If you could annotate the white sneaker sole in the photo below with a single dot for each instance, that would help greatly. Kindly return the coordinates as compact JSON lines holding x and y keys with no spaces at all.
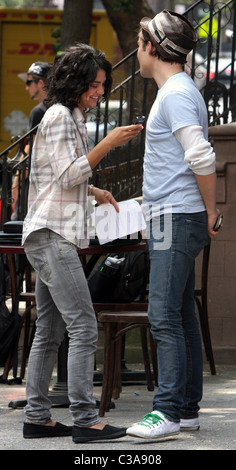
{"x":189,"y":428}
{"x":189,"y":424}
{"x":152,"y":436}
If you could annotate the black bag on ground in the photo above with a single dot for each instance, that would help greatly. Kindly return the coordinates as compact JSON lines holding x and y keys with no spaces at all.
{"x":120,"y":278}
{"x":9,"y":329}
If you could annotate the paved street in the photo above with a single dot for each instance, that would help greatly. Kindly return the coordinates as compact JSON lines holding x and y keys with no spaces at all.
{"x":217,"y":418}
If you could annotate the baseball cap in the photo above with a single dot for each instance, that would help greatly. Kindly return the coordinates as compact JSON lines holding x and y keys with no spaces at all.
{"x":37,"y":68}
{"x":172,"y":34}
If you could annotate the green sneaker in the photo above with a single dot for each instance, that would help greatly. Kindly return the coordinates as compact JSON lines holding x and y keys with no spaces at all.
{"x":153,"y":426}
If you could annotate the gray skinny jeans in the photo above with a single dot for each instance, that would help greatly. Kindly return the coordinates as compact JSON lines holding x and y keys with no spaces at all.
{"x":63,"y":302}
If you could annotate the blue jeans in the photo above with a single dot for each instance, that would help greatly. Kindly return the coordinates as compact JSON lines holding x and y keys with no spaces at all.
{"x":63,"y":302}
{"x":172,"y":312}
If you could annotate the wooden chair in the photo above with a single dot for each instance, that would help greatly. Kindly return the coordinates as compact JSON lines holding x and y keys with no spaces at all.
{"x":117,"y":323}
{"x":147,"y":341}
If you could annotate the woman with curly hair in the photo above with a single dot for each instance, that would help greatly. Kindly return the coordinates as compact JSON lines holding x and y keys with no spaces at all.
{"x":54,"y":229}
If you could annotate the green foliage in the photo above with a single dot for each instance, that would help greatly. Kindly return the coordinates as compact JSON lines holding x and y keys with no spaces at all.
{"x":56,"y":33}
{"x":21,"y":3}
{"x":10,"y":3}
{"x":123,"y":5}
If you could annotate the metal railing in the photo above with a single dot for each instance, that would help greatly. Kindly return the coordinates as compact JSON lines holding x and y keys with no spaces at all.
{"x":213,"y":62}
{"x":212,"y":67}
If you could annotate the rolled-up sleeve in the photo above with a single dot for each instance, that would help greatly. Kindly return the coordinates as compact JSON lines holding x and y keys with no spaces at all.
{"x":199,"y":153}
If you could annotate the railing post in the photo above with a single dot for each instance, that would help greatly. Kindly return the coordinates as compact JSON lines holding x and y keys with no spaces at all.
{"x":5,"y":191}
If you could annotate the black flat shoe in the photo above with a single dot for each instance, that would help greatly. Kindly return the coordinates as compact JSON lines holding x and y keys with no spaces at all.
{"x":35,"y":431}
{"x":92,"y":434}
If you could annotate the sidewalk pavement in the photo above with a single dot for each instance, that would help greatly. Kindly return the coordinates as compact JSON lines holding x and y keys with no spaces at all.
{"x":217,"y":420}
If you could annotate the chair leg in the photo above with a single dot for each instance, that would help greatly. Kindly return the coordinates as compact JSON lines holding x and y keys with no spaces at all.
{"x":7,"y":367}
{"x":203,"y":317}
{"x":116,"y":386}
{"x":146,"y":361}
{"x":108,"y":370}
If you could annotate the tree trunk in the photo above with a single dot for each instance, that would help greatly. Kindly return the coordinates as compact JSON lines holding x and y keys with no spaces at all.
{"x":126,"y":24}
{"x":76,"y":22}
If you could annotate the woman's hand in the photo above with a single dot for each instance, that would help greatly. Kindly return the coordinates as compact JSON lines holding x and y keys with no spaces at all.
{"x":117,"y":137}
{"x":104,"y":197}
{"x":122,"y":135}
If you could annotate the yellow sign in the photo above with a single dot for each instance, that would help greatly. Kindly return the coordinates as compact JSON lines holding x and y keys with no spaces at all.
{"x":204,"y":29}
{"x":26,"y":37}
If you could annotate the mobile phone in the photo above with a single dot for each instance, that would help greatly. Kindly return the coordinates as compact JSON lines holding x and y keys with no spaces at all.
{"x":218,"y":223}
{"x":140,"y":120}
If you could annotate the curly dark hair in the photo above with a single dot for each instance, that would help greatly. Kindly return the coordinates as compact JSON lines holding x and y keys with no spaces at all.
{"x":72,"y":73}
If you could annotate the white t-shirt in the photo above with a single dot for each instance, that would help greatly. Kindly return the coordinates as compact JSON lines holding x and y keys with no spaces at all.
{"x":168,"y":180}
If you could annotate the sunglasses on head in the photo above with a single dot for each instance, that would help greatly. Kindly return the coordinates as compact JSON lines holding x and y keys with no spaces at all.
{"x":28,"y":82}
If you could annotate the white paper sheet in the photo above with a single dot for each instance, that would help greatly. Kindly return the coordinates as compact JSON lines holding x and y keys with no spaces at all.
{"x":111,"y":225}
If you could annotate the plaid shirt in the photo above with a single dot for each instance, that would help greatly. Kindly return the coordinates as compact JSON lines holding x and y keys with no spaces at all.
{"x":59,"y":177}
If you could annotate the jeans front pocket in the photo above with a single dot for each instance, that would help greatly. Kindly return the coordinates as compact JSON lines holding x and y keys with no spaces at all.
{"x":196,"y":235}
{"x":40,"y":264}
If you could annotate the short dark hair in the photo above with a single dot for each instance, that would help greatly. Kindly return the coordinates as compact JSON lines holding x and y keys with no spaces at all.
{"x":145,"y":39}
{"x":72,"y":73}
